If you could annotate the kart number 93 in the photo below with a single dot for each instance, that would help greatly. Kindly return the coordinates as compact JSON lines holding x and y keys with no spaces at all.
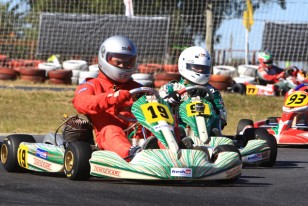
{"x":296,"y":99}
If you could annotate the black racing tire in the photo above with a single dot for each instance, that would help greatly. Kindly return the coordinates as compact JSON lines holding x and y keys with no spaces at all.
{"x":242,"y":124}
{"x":76,"y":161}
{"x":224,"y":148}
{"x":150,"y":143}
{"x":238,"y":88}
{"x":263,"y":134}
{"x":9,"y":149}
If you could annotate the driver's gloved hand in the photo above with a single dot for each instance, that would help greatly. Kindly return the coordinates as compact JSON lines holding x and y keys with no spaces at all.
{"x":119,"y":97}
{"x":174,"y":98}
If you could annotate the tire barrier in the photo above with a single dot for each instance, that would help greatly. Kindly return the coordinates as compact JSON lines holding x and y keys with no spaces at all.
{"x":7,"y":74}
{"x":243,"y":79}
{"x":86,"y":74}
{"x":171,"y":68}
{"x":220,"y":82}
{"x":60,"y":76}
{"x":75,"y":65}
{"x":229,"y":71}
{"x":150,"y":68}
{"x":146,"y":80}
{"x":48,"y":66}
{"x":247,"y":70}
{"x":163,"y":78}
{"x":31,"y":74}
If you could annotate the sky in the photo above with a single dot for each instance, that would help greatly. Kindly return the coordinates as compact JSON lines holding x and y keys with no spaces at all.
{"x":296,"y":12}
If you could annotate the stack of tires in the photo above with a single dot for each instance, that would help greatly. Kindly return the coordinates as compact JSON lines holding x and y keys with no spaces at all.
{"x":91,"y":72}
{"x":146,"y":80}
{"x":222,"y":76}
{"x":163,"y":78}
{"x":29,"y":70}
{"x":150,"y":68}
{"x":246,"y":73}
{"x":7,"y":73}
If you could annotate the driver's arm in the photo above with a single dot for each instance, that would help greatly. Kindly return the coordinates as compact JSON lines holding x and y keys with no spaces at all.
{"x":87,"y":102}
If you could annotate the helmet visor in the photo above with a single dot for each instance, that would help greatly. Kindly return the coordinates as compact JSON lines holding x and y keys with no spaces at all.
{"x":268,"y":62}
{"x":122,"y":61}
{"x":203,"y":69}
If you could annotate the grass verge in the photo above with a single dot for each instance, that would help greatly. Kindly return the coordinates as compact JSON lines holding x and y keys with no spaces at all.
{"x":41,"y":111}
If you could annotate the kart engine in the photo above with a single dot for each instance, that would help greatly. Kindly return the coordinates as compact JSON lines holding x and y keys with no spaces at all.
{"x":77,"y":129}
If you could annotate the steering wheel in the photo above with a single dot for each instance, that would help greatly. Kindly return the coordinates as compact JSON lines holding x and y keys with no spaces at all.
{"x":135,"y":92}
{"x":290,"y":70}
{"x":207,"y":93}
{"x":302,"y":87}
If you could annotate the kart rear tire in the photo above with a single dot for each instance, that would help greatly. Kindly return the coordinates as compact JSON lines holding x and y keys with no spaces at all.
{"x":76,"y":161}
{"x":238,"y":88}
{"x":242,"y":124}
{"x":150,"y":143}
{"x":9,"y":149}
{"x":224,"y":148}
{"x":263,"y":134}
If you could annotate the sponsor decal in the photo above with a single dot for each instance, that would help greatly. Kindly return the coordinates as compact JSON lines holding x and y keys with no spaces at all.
{"x":266,"y":155}
{"x":160,"y":127}
{"x":41,"y":153}
{"x":107,"y":171}
{"x":254,"y":157}
{"x":42,"y":164}
{"x":181,"y":172}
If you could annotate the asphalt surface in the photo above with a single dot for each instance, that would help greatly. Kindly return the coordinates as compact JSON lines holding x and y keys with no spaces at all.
{"x":284,"y":184}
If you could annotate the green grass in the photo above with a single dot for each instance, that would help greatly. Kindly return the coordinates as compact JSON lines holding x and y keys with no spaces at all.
{"x":42,"y":112}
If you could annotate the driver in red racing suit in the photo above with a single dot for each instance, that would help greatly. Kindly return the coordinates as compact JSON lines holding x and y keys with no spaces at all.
{"x":99,"y":98}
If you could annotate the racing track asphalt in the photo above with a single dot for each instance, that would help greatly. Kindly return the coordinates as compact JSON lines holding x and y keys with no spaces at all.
{"x":284,"y":184}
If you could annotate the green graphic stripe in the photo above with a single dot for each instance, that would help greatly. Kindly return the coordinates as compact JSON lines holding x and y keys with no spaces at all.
{"x":55,"y":154}
{"x":254,"y":146}
{"x":158,"y":163}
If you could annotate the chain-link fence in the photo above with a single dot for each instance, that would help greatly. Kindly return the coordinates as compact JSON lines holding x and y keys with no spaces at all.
{"x":161,"y":29}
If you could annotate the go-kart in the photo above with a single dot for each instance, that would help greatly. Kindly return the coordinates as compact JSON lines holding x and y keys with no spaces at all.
{"x":256,"y":146}
{"x":79,"y":159}
{"x":292,"y":127}
{"x":293,"y":77}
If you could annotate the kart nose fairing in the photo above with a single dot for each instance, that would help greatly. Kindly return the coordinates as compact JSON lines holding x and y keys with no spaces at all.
{"x":163,"y":164}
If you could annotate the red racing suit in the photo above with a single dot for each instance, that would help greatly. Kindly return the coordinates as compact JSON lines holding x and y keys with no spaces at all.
{"x":93,"y":98}
{"x":270,"y":75}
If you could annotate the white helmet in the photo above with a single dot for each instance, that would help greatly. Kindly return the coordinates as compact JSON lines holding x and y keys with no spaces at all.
{"x":117,"y":57}
{"x":195,"y":65}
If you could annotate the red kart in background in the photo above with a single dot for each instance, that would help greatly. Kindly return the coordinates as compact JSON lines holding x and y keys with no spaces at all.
{"x":292,"y":127}
{"x":250,"y":86}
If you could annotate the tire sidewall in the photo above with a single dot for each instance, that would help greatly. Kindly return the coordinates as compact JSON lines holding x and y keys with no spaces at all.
{"x":81,"y":166}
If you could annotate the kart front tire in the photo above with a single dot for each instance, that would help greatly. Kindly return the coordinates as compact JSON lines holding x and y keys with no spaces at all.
{"x":9,"y":149}
{"x":263,"y":134}
{"x":242,"y":124}
{"x":76,"y":161}
{"x":224,"y":148}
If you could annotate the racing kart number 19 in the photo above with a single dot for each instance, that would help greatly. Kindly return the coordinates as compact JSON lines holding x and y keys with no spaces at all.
{"x":297,"y":99}
{"x":154,"y":112}
{"x":22,"y":157}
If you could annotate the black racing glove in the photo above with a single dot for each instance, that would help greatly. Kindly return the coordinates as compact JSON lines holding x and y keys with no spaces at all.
{"x":174,"y":98}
